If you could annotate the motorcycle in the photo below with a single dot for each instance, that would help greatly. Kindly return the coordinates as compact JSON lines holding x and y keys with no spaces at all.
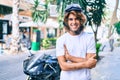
{"x":41,"y":67}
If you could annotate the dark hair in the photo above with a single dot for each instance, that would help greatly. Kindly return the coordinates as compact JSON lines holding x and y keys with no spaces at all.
{"x":79,"y":15}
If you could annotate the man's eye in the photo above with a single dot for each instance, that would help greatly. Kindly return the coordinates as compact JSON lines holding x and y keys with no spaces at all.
{"x":77,"y":18}
{"x":70,"y":19}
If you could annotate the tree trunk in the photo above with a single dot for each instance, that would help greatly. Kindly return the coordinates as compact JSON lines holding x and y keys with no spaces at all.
{"x":114,"y":18}
{"x":15,"y":27}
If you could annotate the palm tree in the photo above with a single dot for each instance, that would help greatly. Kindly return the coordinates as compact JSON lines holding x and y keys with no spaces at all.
{"x":15,"y":26}
{"x":114,"y":18}
{"x":40,"y":11}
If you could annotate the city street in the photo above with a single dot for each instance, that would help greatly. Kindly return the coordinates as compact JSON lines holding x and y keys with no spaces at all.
{"x":48,"y":26}
{"x":107,"y":68}
{"x":11,"y":67}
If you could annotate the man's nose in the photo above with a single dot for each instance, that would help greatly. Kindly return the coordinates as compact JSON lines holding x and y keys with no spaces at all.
{"x":74,"y":20}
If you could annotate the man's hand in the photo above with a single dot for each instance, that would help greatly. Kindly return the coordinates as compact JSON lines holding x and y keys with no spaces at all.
{"x":67,"y":55}
{"x":91,"y":62}
{"x":72,"y":58}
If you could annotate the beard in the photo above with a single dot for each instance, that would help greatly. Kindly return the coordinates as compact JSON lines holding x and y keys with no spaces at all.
{"x":78,"y":31}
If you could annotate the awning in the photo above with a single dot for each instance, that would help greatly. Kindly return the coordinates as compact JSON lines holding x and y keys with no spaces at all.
{"x":50,"y":23}
{"x":31,"y":24}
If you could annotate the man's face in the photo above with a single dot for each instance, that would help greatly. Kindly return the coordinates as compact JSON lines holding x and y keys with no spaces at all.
{"x":73,"y":22}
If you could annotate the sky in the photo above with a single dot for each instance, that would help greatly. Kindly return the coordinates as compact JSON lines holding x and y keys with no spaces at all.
{"x":111,"y":4}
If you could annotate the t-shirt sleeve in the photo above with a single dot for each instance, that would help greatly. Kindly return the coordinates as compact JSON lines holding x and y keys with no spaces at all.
{"x":91,"y":47}
{"x":59,"y":47}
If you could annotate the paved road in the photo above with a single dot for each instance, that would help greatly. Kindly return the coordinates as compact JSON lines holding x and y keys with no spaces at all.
{"x":11,"y":67}
{"x":108,"y":68}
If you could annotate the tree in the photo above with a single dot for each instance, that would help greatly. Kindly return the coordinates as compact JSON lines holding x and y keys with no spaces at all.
{"x":95,"y":13}
{"x":117,"y":26}
{"x":40,"y":11}
{"x":92,"y":8}
{"x":15,"y":26}
{"x":114,"y":18}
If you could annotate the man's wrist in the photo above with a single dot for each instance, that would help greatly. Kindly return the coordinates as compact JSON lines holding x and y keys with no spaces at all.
{"x":86,"y":64}
{"x":72,"y":58}
{"x":69,"y":57}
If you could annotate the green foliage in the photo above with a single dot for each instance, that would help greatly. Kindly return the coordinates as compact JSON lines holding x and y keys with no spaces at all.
{"x":48,"y":42}
{"x":95,"y":12}
{"x":117,"y":26}
{"x":98,"y":45}
{"x":118,"y":39}
{"x":40,"y":14}
{"x":53,"y":41}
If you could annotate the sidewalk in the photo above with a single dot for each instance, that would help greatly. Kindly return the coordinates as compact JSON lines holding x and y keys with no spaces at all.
{"x":108,"y":68}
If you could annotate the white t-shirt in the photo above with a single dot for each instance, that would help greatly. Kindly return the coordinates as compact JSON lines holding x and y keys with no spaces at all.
{"x":77,"y":46}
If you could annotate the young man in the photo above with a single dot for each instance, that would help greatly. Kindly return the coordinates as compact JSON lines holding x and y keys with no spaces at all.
{"x":75,"y":50}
